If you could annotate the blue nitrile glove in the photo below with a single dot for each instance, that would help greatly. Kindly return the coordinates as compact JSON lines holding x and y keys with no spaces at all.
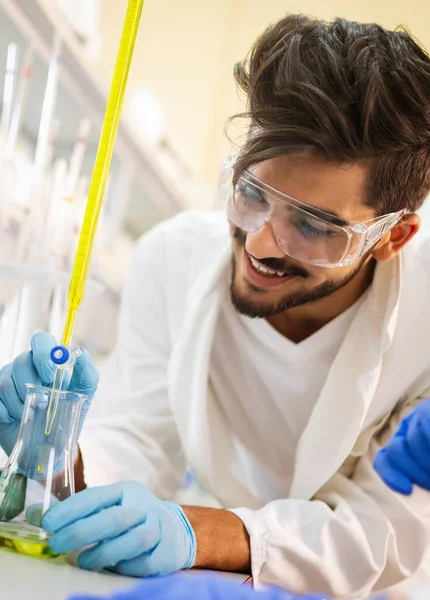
{"x":197,"y":587}
{"x":136,"y":533}
{"x":405,"y":460}
{"x":36,"y":367}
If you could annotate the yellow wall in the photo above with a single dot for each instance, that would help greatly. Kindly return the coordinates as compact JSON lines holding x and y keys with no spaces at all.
{"x":187,"y":49}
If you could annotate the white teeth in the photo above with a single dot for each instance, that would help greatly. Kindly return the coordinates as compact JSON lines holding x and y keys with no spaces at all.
{"x":262,"y":269}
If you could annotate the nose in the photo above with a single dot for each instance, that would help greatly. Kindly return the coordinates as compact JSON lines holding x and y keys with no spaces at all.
{"x":262,"y":243}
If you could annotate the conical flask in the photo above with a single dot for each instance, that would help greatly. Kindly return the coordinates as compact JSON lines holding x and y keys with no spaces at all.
{"x":39,"y":470}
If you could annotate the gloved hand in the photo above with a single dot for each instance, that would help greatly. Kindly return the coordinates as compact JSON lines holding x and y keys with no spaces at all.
{"x":136,"y":533}
{"x":36,"y":367}
{"x":405,"y":460}
{"x":198,"y":586}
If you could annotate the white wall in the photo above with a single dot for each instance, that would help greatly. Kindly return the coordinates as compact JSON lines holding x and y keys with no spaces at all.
{"x":186,"y":51}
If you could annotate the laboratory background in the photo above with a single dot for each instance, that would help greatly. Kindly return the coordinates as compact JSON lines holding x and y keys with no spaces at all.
{"x":56,"y":64}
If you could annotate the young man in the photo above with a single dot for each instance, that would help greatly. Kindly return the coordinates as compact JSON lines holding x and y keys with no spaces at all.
{"x":274,"y":353}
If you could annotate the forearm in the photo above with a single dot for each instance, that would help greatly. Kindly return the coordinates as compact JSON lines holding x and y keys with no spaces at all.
{"x":222,"y":540}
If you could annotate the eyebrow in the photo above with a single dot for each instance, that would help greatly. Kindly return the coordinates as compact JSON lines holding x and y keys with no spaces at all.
{"x":336,"y":218}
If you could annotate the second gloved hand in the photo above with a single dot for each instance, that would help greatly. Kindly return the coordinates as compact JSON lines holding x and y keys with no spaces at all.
{"x":199,"y":587}
{"x":405,"y":460}
{"x":135,"y":533}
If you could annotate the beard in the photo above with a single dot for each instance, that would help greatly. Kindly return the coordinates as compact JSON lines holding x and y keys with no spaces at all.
{"x":259,"y":309}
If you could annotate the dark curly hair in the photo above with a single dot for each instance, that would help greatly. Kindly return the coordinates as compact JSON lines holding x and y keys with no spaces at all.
{"x":348,"y":92}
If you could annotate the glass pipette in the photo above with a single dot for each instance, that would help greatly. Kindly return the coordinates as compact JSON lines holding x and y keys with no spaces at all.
{"x":97,"y":186}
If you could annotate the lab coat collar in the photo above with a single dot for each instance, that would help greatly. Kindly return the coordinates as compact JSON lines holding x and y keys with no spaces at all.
{"x":205,"y":435}
{"x":341,"y":408}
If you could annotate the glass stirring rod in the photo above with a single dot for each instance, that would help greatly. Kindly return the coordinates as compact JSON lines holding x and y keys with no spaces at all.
{"x":65,"y":360}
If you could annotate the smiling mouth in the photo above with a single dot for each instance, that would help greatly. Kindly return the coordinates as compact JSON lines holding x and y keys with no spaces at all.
{"x":261,"y":276}
{"x":258,"y":266}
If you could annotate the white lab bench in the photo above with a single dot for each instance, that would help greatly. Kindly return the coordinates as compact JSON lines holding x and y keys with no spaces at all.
{"x":29,"y":578}
{"x":26,"y":578}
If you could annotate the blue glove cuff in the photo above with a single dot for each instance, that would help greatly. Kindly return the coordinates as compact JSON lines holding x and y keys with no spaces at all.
{"x":189,"y":532}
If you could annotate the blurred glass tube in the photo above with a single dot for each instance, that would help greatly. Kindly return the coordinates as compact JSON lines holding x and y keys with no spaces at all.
{"x":20,"y":104}
{"x":77,"y":158}
{"x":52,"y":142}
{"x":48,"y":110}
{"x":9,"y":84}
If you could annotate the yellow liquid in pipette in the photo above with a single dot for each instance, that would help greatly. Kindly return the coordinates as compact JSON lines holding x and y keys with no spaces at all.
{"x":102,"y":165}
{"x":98,"y":185}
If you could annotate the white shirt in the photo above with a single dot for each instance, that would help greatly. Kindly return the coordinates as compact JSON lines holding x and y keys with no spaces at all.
{"x":340,"y":529}
{"x":259,"y":378}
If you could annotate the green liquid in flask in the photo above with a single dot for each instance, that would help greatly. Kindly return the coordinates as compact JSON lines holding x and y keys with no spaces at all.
{"x":39,"y":471}
{"x":31,"y":541}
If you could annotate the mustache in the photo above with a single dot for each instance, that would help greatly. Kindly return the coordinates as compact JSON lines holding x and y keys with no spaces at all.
{"x":277,"y":264}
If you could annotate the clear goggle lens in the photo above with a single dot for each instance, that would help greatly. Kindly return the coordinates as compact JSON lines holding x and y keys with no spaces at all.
{"x":303,"y":232}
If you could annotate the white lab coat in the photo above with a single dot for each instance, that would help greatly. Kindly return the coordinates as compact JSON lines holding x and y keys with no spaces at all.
{"x":340,"y":530}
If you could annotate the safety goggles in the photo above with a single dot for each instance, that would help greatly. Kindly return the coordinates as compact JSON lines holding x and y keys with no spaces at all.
{"x":303,"y":232}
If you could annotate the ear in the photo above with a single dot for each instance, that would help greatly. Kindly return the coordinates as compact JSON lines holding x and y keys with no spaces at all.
{"x":396,"y":239}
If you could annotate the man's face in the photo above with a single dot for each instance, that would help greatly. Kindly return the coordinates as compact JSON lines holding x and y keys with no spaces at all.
{"x":323,"y":185}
